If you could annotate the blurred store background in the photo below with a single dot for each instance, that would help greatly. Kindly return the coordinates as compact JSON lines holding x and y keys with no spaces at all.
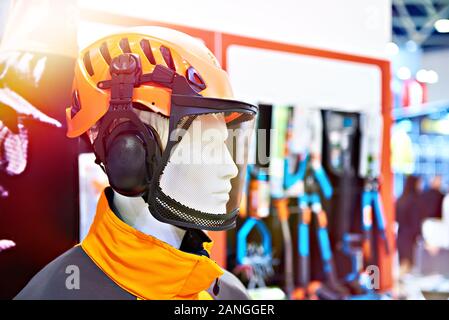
{"x":360,"y":86}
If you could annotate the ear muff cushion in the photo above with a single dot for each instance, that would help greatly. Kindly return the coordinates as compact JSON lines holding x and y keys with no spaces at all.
{"x":126,"y":165}
{"x":131,"y":157}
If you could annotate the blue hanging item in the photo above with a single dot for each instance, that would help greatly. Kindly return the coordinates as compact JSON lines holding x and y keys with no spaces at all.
{"x":323,"y":181}
{"x":257,"y":257}
{"x":314,"y":181}
{"x":242,"y":235}
{"x":252,"y":222}
{"x":352,"y":248}
{"x":292,"y":178}
{"x":320,"y":175}
{"x":371,"y":203}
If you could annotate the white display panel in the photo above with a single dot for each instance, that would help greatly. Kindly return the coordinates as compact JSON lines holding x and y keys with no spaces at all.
{"x":270,"y":76}
{"x":354,"y":26}
{"x":92,"y":181}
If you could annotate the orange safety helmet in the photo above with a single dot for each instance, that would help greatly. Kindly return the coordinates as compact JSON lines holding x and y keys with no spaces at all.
{"x":178,"y":51}
{"x":172,"y":74}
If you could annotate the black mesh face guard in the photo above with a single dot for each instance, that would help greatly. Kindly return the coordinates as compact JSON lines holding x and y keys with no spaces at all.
{"x":186,"y":105}
{"x":239,"y":118}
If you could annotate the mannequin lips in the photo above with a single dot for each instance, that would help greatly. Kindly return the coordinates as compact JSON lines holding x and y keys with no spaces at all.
{"x":223,"y":194}
{"x":226,"y":188}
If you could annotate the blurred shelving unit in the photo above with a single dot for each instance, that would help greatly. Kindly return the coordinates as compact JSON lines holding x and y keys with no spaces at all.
{"x":427,"y":130}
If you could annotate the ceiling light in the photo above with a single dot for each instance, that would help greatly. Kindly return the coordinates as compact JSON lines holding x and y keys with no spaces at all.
{"x":432,"y":76}
{"x":442,"y":25}
{"x":404,"y":73}
{"x":421,"y":75}
{"x":427,"y":76}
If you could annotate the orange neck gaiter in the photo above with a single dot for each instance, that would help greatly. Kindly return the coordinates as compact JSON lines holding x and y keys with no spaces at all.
{"x":143,"y":265}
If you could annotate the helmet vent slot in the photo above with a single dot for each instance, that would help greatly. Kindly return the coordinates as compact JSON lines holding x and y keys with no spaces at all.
{"x":76,"y":106}
{"x":88,"y":64}
{"x":146,"y":48}
{"x":166,"y":54}
{"x":104,"y":50}
{"x":124,"y":45}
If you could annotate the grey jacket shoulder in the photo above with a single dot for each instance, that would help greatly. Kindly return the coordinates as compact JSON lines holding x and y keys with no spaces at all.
{"x":72,"y":276}
{"x":231,"y":288}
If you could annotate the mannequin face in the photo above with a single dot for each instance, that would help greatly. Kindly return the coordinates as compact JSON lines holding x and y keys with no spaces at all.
{"x":200,"y":169}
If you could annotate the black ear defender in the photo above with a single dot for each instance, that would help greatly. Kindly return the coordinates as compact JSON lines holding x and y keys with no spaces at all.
{"x":127,"y":149}
{"x":131,"y":158}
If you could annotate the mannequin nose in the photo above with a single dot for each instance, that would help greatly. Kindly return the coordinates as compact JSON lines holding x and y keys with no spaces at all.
{"x":229,"y":169}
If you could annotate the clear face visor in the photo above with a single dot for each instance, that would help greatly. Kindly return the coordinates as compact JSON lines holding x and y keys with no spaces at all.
{"x":203,"y":168}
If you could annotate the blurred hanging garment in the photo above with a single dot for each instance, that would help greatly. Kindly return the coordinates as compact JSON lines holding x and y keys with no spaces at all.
{"x":13,"y":133}
{"x":408,"y":208}
{"x":13,"y":150}
{"x":433,"y":200}
{"x":38,"y":171}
